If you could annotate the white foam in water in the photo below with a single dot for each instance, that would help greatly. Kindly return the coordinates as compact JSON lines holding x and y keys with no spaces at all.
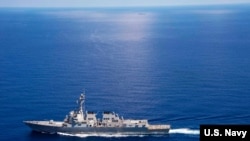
{"x":184,"y":131}
{"x":99,"y":135}
{"x":172,"y":131}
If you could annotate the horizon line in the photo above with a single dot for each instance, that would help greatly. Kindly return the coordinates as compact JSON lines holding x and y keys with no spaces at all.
{"x":134,"y":6}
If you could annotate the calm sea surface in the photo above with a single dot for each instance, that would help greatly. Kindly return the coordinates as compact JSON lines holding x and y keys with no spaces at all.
{"x":183,"y":66}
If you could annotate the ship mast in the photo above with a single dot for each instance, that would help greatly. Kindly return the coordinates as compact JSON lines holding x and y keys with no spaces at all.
{"x":81,"y":103}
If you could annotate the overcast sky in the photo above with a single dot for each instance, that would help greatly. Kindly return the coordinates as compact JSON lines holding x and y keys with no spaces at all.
{"x":112,"y":3}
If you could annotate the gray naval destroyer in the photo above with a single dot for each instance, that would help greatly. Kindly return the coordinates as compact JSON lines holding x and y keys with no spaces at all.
{"x":86,"y":122}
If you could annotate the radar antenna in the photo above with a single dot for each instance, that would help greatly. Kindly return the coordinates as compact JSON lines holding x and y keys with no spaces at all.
{"x":81,"y":103}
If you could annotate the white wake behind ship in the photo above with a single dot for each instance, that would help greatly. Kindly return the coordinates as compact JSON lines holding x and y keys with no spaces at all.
{"x":85,"y":122}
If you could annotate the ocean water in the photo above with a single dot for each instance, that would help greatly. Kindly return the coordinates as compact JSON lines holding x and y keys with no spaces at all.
{"x":183,"y":66}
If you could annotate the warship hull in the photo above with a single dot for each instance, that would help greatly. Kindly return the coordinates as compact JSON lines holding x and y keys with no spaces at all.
{"x":80,"y":121}
{"x":56,"y":127}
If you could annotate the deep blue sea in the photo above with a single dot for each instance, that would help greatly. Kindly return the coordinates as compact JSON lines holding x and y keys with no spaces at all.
{"x":183,"y":66}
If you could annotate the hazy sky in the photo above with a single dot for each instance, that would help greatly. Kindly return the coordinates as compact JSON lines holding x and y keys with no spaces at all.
{"x":98,"y":3}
